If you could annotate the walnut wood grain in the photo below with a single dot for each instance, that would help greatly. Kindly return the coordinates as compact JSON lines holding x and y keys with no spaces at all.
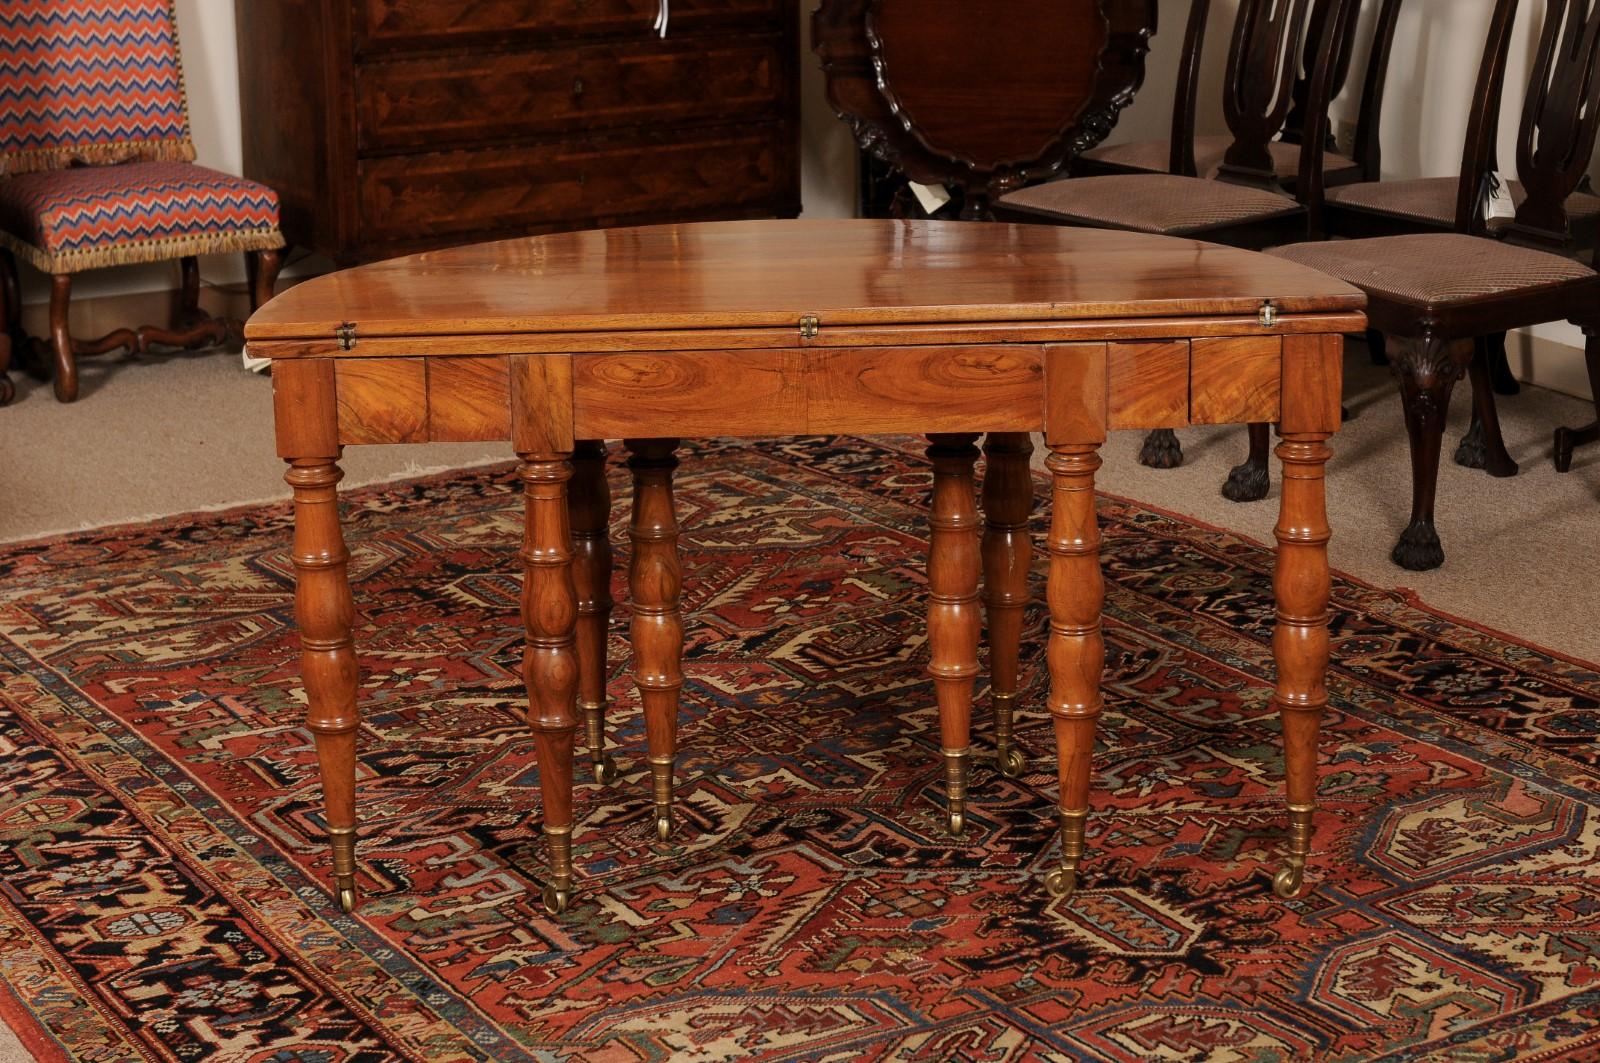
{"x":954,"y":619}
{"x":383,"y":400}
{"x":1149,"y":384}
{"x":923,"y":389}
{"x":743,"y":275}
{"x":690,"y":393}
{"x":1075,"y":401}
{"x":541,"y":403}
{"x":655,"y":584}
{"x":1007,"y":556}
{"x":304,"y":414}
{"x":589,"y":509}
{"x":1234,"y":380}
{"x":469,"y":399}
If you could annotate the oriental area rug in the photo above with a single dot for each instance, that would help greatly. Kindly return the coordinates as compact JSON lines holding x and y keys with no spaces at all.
{"x":164,"y":880}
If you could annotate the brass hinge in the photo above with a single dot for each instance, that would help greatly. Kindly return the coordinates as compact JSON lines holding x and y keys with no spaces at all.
{"x":1268,"y":315}
{"x":346,"y":334}
{"x":809,"y":327}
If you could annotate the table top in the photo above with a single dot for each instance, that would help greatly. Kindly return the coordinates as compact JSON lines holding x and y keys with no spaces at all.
{"x":771,"y":273}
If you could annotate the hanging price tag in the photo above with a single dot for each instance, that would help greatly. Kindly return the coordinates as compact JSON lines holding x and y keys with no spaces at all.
{"x":932,"y":197}
{"x":1499,"y":204}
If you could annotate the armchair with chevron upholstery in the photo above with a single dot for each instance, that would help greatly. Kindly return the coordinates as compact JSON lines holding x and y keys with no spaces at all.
{"x":96,"y":170}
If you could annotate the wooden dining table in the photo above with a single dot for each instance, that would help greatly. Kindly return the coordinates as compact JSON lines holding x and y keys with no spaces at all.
{"x":555,"y":344}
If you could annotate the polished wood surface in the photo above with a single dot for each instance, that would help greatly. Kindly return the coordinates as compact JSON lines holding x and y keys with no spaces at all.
{"x":982,"y":96}
{"x":389,"y":126}
{"x":769,"y":274}
{"x":1053,"y":365}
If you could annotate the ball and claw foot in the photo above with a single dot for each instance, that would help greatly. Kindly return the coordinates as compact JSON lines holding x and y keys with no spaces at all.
{"x":1011,"y":762}
{"x":557,"y":898}
{"x":1418,"y":549}
{"x":1061,"y":883}
{"x":1248,"y":482}
{"x":1289,"y":881}
{"x":605,"y":769}
{"x":1471,"y":452}
{"x":1161,"y":450}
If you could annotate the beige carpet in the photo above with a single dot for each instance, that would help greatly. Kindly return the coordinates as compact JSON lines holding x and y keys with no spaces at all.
{"x":172,"y":434}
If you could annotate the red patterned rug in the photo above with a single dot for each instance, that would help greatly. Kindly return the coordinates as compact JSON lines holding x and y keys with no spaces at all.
{"x":163,"y":880}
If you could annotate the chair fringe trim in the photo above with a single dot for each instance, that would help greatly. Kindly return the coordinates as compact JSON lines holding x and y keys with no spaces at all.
{"x":109,"y":154}
{"x":270,"y":239}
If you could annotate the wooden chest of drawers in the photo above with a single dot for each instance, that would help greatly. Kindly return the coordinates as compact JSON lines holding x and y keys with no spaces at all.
{"x":390,"y":126}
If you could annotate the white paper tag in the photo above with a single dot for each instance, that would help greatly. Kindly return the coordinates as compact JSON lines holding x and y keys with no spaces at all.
{"x":255,"y":365}
{"x":932,"y":197}
{"x":1500,"y":204}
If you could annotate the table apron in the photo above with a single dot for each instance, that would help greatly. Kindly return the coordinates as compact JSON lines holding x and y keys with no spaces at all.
{"x":1075,"y":391}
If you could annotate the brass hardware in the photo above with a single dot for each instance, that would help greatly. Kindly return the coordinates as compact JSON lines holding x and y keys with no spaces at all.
{"x":346,"y":335}
{"x":343,"y":842}
{"x":1011,"y":761}
{"x":605,"y":767}
{"x":1289,"y":881}
{"x":810,"y":325}
{"x":1269,"y":314}
{"x":1063,"y":881}
{"x":558,"y":893}
{"x":661,"y":780}
{"x":955,"y":784}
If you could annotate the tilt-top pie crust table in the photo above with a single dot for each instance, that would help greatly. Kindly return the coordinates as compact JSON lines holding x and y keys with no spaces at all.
{"x":761,"y":329}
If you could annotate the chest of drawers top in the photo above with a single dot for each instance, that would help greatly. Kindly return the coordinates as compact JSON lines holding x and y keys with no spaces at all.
{"x":380,"y":26}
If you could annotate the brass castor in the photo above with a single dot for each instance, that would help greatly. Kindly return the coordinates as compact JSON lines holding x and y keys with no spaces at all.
{"x":605,"y":769}
{"x":958,"y":822}
{"x":955,"y":785}
{"x":346,"y":893}
{"x":664,"y":822}
{"x":1061,"y":883}
{"x":557,"y":898}
{"x":1011,"y":762}
{"x":1289,"y":881}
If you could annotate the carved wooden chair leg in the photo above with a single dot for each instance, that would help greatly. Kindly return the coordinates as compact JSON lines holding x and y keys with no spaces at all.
{"x":1077,"y":647}
{"x":1569,"y":438}
{"x":1007,"y":553}
{"x":66,"y":357}
{"x":1161,"y":450}
{"x":1427,"y":370}
{"x":1377,"y":349}
{"x":1483,"y":446}
{"x":1250,"y":481}
{"x":655,"y":578}
{"x":589,"y":503}
{"x":549,"y":658}
{"x":261,"y":273}
{"x":1499,"y":365}
{"x":954,"y":566}
{"x":191,"y":328}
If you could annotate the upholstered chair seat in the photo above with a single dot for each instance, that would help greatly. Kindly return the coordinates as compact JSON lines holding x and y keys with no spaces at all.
{"x":1433,"y":199}
{"x":64,"y":221}
{"x":1439,"y":269}
{"x":1154,"y":156}
{"x":1151,"y":203}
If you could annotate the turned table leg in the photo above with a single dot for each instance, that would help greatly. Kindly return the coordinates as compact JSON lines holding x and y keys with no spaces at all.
{"x":1077,"y":649}
{"x":1302,"y":585}
{"x":325,"y":613}
{"x":549,"y":658}
{"x":655,"y":579}
{"x":953,"y":622}
{"x":589,"y":505}
{"x":1007,"y":554}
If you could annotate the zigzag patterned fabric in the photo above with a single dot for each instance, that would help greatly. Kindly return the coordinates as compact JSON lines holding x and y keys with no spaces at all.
{"x":90,"y":81}
{"x":64,"y":221}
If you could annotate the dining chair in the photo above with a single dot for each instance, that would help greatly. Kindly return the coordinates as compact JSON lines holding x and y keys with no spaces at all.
{"x":1184,"y":153}
{"x":1435,"y":293}
{"x":98,"y":170}
{"x":1246,"y":205}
